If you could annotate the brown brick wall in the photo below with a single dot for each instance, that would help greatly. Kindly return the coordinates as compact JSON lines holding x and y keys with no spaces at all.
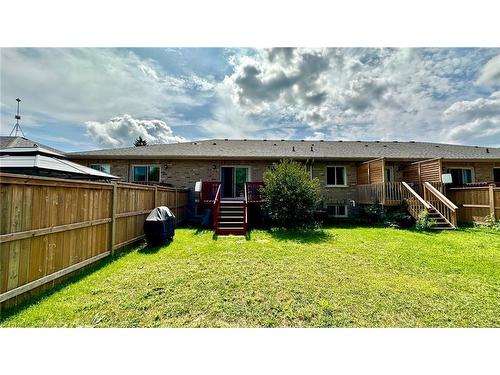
{"x":182,"y":173}
{"x":334,"y":194}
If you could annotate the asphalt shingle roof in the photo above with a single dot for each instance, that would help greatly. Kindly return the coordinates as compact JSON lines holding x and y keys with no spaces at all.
{"x":8,"y":142}
{"x":276,"y":149}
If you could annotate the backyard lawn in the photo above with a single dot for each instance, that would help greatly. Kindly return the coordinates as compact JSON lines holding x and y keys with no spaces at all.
{"x":338,"y":277}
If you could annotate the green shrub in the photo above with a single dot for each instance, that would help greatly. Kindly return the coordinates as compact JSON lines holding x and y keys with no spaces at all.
{"x":424,"y":222}
{"x":399,"y":217}
{"x":290,"y":197}
{"x":394,"y":217}
{"x":490,"y":222}
{"x":373,"y":214}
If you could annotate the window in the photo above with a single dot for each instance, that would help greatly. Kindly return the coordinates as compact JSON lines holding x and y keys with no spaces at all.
{"x":106,"y":168}
{"x":389,"y":174}
{"x":336,"y":176}
{"x":145,"y":173}
{"x":337,"y":210}
{"x":460,"y":176}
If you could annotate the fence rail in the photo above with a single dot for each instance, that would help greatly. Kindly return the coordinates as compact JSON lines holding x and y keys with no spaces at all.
{"x":475,"y":203}
{"x":51,"y":227}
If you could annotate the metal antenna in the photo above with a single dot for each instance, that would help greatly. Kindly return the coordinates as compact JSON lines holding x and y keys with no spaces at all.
{"x":17,"y":128}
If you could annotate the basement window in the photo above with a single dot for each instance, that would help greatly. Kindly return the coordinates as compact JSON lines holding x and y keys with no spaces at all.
{"x":106,"y":168}
{"x":146,"y":173}
{"x":336,"y":176}
{"x":337,"y":210}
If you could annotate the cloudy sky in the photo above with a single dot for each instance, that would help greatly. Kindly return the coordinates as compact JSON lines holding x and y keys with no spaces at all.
{"x":78,"y":99}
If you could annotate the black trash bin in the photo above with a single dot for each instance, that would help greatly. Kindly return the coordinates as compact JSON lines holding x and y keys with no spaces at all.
{"x":159,"y":226}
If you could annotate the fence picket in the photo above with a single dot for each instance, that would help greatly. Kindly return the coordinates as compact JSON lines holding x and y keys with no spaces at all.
{"x":51,"y":227}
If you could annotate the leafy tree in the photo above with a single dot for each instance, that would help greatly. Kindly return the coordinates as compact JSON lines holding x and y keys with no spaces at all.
{"x":140,"y":142}
{"x":290,"y":197}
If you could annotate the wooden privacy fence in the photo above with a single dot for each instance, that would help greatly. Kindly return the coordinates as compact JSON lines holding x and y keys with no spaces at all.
{"x":51,"y":227}
{"x":475,"y":203}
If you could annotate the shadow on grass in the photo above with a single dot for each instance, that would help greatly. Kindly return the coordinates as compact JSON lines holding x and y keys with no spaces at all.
{"x":77,"y":276}
{"x":248,"y":236}
{"x":200,"y":230}
{"x":146,"y":249}
{"x":67,"y":280}
{"x":301,"y":235}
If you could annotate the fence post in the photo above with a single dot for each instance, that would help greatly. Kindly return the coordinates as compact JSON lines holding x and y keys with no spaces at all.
{"x":491,"y":194}
{"x":156,"y":196}
{"x":113,"y":218}
{"x":176,"y":204}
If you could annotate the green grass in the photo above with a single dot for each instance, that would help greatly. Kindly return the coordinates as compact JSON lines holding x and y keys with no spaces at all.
{"x":336,"y":277}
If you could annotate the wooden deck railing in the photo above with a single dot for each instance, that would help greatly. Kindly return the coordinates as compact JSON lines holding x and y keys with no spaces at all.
{"x":216,"y":208}
{"x":369,"y":193}
{"x":388,"y":193}
{"x":245,"y":206}
{"x":416,"y":203}
{"x":475,"y":203}
{"x":253,"y":189}
{"x":442,"y":204}
{"x":209,"y":191}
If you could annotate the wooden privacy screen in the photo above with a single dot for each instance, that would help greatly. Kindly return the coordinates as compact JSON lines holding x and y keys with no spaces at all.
{"x":423,"y":171}
{"x":371,"y":172}
{"x":475,"y":203}
{"x":51,"y":227}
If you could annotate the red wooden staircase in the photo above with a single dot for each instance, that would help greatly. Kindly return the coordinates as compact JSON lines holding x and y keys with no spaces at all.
{"x":230,"y":216}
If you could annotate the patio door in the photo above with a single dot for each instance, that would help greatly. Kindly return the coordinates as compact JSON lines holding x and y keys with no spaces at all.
{"x":233,"y":181}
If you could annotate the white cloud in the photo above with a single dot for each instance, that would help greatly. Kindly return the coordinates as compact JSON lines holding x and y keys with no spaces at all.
{"x":347,"y":93}
{"x":490,"y":74}
{"x":475,"y":121}
{"x":85,"y":84}
{"x":230,"y":121}
{"x":124,"y":130}
{"x":352,"y":93}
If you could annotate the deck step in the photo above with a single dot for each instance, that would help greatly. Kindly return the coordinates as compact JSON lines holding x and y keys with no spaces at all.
{"x":231,"y":218}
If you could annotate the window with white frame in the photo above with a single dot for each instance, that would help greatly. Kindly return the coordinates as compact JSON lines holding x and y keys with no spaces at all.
{"x":337,"y":210}
{"x":146,"y":173}
{"x":106,"y":168}
{"x":336,"y":176}
{"x":461,"y":176}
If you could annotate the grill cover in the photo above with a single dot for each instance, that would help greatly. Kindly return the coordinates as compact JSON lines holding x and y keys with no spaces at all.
{"x":159,"y":226}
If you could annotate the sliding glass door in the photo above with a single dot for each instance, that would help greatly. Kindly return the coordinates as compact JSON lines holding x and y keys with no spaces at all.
{"x":233,"y":181}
